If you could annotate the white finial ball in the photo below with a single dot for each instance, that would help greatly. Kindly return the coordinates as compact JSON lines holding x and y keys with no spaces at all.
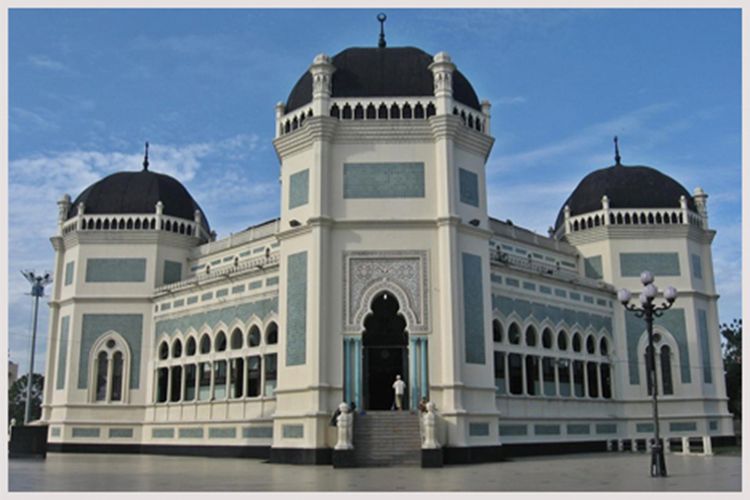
{"x":647,"y":277}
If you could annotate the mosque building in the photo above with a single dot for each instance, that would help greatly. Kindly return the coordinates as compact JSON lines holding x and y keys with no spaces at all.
{"x":383,"y":261}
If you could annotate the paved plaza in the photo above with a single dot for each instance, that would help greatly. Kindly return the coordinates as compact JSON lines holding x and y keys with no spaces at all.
{"x":584,"y":472}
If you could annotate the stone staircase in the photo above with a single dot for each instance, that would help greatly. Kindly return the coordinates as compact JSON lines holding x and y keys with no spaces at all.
{"x":383,"y":438}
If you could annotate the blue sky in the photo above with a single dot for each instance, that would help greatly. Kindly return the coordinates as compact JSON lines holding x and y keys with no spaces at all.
{"x":88,"y":87}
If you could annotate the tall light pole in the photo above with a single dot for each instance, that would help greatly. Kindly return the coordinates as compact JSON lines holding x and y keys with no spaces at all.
{"x":649,"y":311}
{"x":37,"y":291}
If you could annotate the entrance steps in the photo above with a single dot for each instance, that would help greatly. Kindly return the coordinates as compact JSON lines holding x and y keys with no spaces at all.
{"x":383,"y":438}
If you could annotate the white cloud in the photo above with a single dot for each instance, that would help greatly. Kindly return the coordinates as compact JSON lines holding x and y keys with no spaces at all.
{"x":509,"y":100}
{"x":44,"y":62}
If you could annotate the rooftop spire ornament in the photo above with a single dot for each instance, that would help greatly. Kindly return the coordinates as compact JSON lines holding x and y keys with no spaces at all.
{"x":145,"y":158}
{"x":617,"y":152}
{"x":381,"y":41}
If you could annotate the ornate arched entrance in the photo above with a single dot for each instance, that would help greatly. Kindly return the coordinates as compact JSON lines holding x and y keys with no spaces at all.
{"x":384,"y":352}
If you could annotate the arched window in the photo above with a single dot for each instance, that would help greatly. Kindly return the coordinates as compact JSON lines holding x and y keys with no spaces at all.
{"x":190,"y":346}
{"x":562,"y":341}
{"x":236,"y":339}
{"x":419,"y":111}
{"x":205,"y":344}
{"x":514,"y":334}
{"x":431,"y":112}
{"x":603,"y":347}
{"x":346,"y":114}
{"x":547,"y":338}
{"x":359,"y":112}
{"x":497,"y":331}
{"x":577,"y":342}
{"x":666,"y":370}
{"x":590,"y":344}
{"x":406,"y":112}
{"x":531,"y":336}
{"x":272,"y":334}
{"x":220,"y":344}
{"x":253,"y":337}
{"x":395,"y":111}
{"x":163,"y":350}
{"x":101,"y":376}
{"x":335,"y":111}
{"x":370,"y":112}
{"x":176,"y":348}
{"x":383,"y":112}
{"x":108,"y":369}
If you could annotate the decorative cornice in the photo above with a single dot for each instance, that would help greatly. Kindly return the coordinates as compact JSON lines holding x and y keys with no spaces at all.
{"x":130,"y":237}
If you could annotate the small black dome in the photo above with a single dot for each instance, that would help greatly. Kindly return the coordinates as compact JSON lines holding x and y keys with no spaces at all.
{"x":626,"y":187}
{"x":382,"y":72}
{"x":138,"y":193}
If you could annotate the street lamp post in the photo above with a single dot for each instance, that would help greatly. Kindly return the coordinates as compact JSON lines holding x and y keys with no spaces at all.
{"x":648,"y":311}
{"x":37,"y":291}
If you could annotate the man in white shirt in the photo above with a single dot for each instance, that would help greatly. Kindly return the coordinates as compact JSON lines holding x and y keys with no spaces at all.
{"x":398,"y":389}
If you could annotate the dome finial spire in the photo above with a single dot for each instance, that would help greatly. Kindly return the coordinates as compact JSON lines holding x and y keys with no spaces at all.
{"x":381,"y":41}
{"x":145,"y":158}
{"x":617,"y":152}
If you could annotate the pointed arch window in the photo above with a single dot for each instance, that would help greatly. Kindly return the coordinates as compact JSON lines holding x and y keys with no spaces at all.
{"x":109,"y":372}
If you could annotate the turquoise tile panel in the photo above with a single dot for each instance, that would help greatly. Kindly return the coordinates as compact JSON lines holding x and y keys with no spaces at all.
{"x":178,"y":303}
{"x":55,"y":431}
{"x":296,"y":307}
{"x":606,"y":428}
{"x":479,"y":429}
{"x":496,"y":279}
{"x":545,"y":290}
{"x":384,"y":180}
{"x":546,"y":430}
{"x":593,"y":267}
{"x":512,"y":430}
{"x":468,"y":185}
{"x":473,"y":308}
{"x":575,"y":296}
{"x":222,"y":432}
{"x":577,"y":429}
{"x":129,"y":326}
{"x":645,"y":427}
{"x":166,"y":306}
{"x":255,"y":285}
{"x":115,"y":270}
{"x":86,"y":432}
{"x":207,"y":296}
{"x":293,"y":431}
{"x":659,"y":263}
{"x":560,"y":293}
{"x":69,"y":271}
{"x":705,"y":350}
{"x":190,"y":433}
{"x":299,"y":188}
{"x":683,"y":426}
{"x":172,"y":271}
{"x":257,"y":432}
{"x":695,"y":260}
{"x":238,"y":289}
{"x":192,"y":300}
{"x":227,"y":315}
{"x":529,"y":286}
{"x":163,"y":433}
{"x":272,"y":281}
{"x":62,"y":352}
{"x":121,"y":432}
{"x":222,"y":293}
{"x":673,"y":321}
{"x":713,"y":425}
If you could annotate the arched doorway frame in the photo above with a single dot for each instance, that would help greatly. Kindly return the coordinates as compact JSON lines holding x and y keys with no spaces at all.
{"x":417,"y":383}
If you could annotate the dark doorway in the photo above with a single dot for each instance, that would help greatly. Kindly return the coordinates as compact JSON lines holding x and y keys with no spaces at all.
{"x":384,"y":353}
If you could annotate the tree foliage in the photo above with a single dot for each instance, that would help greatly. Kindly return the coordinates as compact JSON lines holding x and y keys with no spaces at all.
{"x":732,"y":353}
{"x":17,"y":398}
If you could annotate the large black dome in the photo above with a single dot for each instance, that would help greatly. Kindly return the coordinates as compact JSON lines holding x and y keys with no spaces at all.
{"x":382,"y":72}
{"x":626,"y":187}
{"x":138,"y":193}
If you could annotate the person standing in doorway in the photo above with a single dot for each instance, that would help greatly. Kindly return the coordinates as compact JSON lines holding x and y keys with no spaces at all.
{"x":398,"y":390}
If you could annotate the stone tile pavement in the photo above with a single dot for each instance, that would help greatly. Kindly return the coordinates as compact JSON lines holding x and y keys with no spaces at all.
{"x":582,"y":472}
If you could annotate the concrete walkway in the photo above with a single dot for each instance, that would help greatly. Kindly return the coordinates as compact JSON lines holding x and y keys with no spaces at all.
{"x":586,"y":472}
